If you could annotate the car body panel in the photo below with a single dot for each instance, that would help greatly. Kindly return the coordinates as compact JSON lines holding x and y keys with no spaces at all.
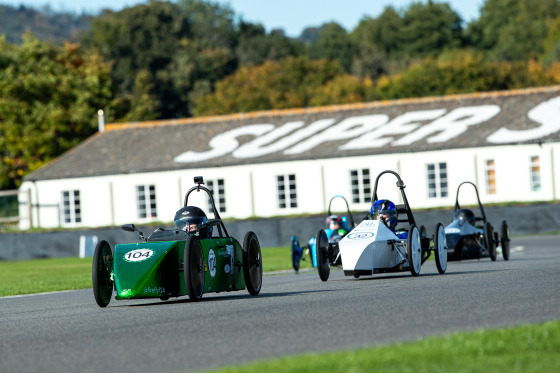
{"x":371,"y":246}
{"x":155,"y":269}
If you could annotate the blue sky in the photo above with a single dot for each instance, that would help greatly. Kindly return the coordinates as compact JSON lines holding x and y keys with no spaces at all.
{"x":291,"y":15}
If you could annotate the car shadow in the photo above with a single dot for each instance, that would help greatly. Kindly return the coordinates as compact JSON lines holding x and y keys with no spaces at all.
{"x":213,"y":297}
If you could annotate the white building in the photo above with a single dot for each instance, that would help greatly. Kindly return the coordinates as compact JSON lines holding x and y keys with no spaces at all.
{"x":287,"y":162}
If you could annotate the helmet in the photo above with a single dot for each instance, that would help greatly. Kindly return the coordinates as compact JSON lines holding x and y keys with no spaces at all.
{"x":189,"y":218}
{"x":385,"y":211}
{"x":333,"y":219}
{"x":464,"y":215}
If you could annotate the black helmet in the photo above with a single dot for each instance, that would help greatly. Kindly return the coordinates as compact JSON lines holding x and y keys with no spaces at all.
{"x":189,"y":218}
{"x":465,"y":215}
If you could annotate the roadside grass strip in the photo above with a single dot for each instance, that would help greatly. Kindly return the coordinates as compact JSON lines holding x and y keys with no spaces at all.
{"x":44,"y":275}
{"x":23,"y":277}
{"x":527,"y":348}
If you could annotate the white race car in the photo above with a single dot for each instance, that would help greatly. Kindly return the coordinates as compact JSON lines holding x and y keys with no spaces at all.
{"x":372,"y":247}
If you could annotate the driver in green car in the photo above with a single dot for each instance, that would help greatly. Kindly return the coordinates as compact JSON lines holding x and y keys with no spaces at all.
{"x":189,"y":218}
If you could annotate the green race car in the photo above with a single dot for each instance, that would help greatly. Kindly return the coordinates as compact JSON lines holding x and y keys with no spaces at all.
{"x":178,"y":262}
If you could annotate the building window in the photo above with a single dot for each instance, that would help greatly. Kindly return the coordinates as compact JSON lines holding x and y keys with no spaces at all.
{"x":71,"y":207}
{"x":146,"y":201}
{"x":437,"y":180}
{"x":360,"y":185}
{"x":287,"y":195}
{"x":217,"y":187}
{"x":490,"y":177}
{"x":535,"y":174}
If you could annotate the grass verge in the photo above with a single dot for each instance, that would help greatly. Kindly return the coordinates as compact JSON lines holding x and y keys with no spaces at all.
{"x":72,"y":273}
{"x":44,"y":275}
{"x":528,"y":348}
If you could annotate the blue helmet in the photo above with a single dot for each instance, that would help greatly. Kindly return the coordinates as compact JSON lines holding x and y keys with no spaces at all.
{"x":385,"y":211}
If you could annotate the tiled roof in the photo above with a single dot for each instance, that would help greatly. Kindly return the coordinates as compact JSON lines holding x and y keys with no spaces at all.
{"x":149,"y":146}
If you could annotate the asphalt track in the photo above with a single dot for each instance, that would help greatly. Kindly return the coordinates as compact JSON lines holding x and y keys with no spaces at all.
{"x":68,"y":332}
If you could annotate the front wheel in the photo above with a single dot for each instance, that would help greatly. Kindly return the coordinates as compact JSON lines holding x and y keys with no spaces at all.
{"x":101,"y":273}
{"x":252,"y":263}
{"x":440,"y":247}
{"x":490,"y":243}
{"x":505,"y":240}
{"x":194,"y":268}
{"x":414,"y":250}
{"x":322,"y":246}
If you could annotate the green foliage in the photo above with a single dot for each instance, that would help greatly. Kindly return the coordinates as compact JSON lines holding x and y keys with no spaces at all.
{"x":49,"y":97}
{"x":289,"y":83}
{"x":465,"y":72}
{"x":438,"y":26}
{"x":334,"y":44}
{"x":255,"y":46}
{"x":513,"y":30}
{"x":528,"y":348}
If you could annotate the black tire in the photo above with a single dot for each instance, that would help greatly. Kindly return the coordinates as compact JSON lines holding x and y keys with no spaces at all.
{"x":322,"y":246}
{"x":295,"y":249}
{"x":102,"y":268}
{"x":440,"y":248}
{"x":504,"y":241}
{"x":489,"y":239}
{"x":194,"y":268}
{"x":252,"y":263}
{"x":414,"y":250}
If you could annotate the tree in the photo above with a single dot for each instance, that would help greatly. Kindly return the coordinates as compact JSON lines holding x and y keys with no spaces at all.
{"x":256,"y":46}
{"x":49,"y":97}
{"x":484,"y":33}
{"x":428,"y":29}
{"x":523,"y":37}
{"x":513,"y":30}
{"x":333,"y":43}
{"x":290,"y":83}
{"x":144,"y":38}
{"x":382,"y":34}
{"x":551,"y":44}
{"x":464,"y":73}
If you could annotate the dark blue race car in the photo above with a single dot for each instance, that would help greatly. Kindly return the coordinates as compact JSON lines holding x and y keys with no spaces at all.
{"x":470,"y":236}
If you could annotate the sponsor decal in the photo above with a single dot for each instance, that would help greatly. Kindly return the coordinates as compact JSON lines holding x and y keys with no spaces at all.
{"x":360,"y":235}
{"x":373,"y":131}
{"x":227,"y":268}
{"x":138,"y":255}
{"x":212,"y":263}
{"x":368,"y":224}
{"x":154,"y":290}
{"x":452,"y":230}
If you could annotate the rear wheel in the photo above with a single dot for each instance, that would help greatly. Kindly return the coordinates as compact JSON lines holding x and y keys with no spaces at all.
{"x":252,"y":263}
{"x":440,"y":247}
{"x":504,"y":241}
{"x":414,"y":250}
{"x":490,"y":243}
{"x":322,"y":247}
{"x":101,"y":273}
{"x":296,"y":253}
{"x":194,"y":268}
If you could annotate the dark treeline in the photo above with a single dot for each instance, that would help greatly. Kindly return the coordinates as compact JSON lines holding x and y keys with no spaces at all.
{"x":172,"y":59}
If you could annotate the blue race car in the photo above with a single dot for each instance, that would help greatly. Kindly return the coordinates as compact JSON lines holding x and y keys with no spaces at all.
{"x":337,"y":228}
{"x":470,"y":236}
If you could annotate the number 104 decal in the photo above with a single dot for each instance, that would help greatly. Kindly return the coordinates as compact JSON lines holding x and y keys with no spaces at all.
{"x":138,"y":255}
